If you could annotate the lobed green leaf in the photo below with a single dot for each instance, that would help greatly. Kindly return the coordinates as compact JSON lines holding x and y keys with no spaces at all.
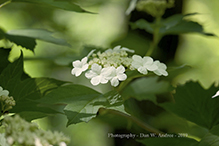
{"x":27,"y":92}
{"x":146,"y":89}
{"x":196,"y":104}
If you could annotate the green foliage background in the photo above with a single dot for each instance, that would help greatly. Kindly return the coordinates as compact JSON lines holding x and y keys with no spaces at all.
{"x":102,"y":30}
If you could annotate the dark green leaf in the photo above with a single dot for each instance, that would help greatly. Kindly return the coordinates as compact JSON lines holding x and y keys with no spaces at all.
{"x":2,"y":34}
{"x":143,"y":24}
{"x":79,"y":99}
{"x":175,"y":24}
{"x":26,"y":42}
{"x":39,"y":34}
{"x":65,"y":5}
{"x":196,"y":104}
{"x":4,"y":53}
{"x":211,"y":138}
{"x":27,"y":92}
{"x":27,"y":37}
{"x":82,"y":102}
{"x":173,"y":72}
{"x":146,"y":89}
{"x":171,"y":141}
{"x":182,"y":27}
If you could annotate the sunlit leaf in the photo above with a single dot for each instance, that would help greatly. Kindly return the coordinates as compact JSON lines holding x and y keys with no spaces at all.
{"x":27,"y":37}
{"x":196,"y":104}
{"x":65,"y":5}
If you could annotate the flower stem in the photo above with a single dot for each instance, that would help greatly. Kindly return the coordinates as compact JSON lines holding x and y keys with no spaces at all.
{"x":156,"y":37}
{"x":5,"y":3}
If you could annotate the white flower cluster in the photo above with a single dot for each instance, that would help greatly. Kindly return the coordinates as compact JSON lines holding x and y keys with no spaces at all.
{"x":19,"y":131}
{"x":112,"y":64}
{"x":6,"y":102}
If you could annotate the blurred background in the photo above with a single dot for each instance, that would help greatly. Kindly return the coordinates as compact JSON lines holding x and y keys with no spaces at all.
{"x":105,"y":29}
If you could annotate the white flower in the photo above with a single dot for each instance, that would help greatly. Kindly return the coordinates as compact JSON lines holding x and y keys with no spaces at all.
{"x":3,"y":92}
{"x":97,"y":74}
{"x":161,"y":70}
{"x":143,"y":64}
{"x":37,"y":142}
{"x":116,"y":74}
{"x":10,"y":140}
{"x":79,"y":66}
{"x":118,"y":49}
{"x":62,"y":144}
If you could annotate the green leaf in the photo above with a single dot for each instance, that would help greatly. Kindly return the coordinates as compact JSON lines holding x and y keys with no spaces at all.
{"x":175,"y":71}
{"x":39,"y":34}
{"x":175,"y":24}
{"x":4,"y":53}
{"x":183,"y":27}
{"x":27,"y":37}
{"x":211,"y":138}
{"x":27,"y":92}
{"x":26,"y":42}
{"x":146,"y":89}
{"x":143,"y":24}
{"x":65,"y":5}
{"x":79,"y":99}
{"x":82,"y":102}
{"x":169,"y":141}
{"x":196,"y":104}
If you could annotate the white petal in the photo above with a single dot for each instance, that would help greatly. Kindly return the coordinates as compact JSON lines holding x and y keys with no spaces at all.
{"x":147,"y":60}
{"x":108,"y":72}
{"x":78,"y":72}
{"x":163,"y":66}
{"x":1,"y":89}
{"x":120,"y":69}
{"x":73,"y":71}
{"x":103,"y":80}
{"x":96,"y":68}
{"x":5,"y":92}
{"x":114,"y":82}
{"x":84,"y":67}
{"x":165,"y":73}
{"x":152,"y":67}
{"x":117,"y":48}
{"x":128,"y":50}
{"x":122,"y":77}
{"x":136,"y":65}
{"x":62,"y":144}
{"x":77,"y":63}
{"x":143,"y":70}
{"x":157,"y":72}
{"x":84,"y":60}
{"x":90,"y":74}
{"x":95,"y":80}
{"x":137,"y":58}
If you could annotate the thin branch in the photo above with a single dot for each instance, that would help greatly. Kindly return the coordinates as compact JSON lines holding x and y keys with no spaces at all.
{"x":131,"y":118}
